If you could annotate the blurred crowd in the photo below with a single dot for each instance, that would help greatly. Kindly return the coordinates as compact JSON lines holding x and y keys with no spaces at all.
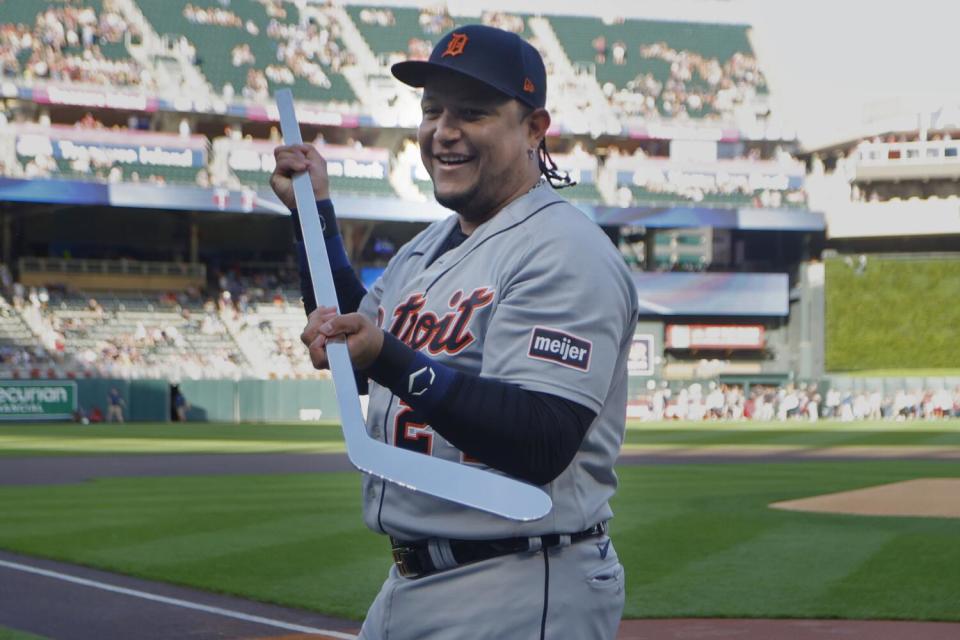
{"x":697,"y":86}
{"x":712,"y":401}
{"x":241,"y":288}
{"x":195,"y":334}
{"x":302,"y":50}
{"x":64,"y":45}
{"x":183,"y":335}
{"x":156,"y":337}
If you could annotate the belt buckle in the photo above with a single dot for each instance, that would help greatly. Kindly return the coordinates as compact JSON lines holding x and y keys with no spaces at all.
{"x":405,"y":558}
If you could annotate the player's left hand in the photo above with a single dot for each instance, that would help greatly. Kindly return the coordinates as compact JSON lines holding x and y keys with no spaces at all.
{"x":364,"y":339}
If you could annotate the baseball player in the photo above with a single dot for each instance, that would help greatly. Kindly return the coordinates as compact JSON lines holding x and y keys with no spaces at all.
{"x":497,"y":337}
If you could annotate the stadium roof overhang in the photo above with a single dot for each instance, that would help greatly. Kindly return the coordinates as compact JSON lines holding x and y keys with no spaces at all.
{"x":688,"y":217}
{"x":712,"y":294}
{"x":192,"y":198}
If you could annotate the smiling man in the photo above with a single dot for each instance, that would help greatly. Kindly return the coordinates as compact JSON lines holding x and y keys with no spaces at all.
{"x":475,"y":143}
{"x":499,"y":338}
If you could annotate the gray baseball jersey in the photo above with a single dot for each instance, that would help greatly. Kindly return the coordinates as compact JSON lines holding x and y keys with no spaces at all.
{"x":537,"y":296}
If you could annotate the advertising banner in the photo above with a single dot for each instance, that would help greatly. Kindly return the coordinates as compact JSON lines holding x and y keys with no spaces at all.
{"x":711,"y":336}
{"x":37,"y":399}
{"x":342,"y":161}
{"x":106,"y":146}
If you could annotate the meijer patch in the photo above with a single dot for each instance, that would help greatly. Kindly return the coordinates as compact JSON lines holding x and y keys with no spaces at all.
{"x":562,"y":348}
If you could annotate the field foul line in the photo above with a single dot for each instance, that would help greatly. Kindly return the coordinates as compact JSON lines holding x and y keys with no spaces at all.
{"x":175,"y":601}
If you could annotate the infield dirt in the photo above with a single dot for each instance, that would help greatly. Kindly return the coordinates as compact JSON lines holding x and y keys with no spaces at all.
{"x":923,"y":497}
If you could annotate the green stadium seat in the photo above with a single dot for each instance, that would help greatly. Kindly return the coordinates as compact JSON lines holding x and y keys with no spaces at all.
{"x":214,"y":44}
{"x":339,"y":185}
{"x":114,"y":50}
{"x":20,"y":12}
{"x":361,"y":187}
{"x":712,"y":41}
{"x":642,"y":196}
{"x":26,"y":12}
{"x":690,"y":240}
{"x":587,"y":193}
{"x":253,"y":179}
{"x":389,"y":39}
{"x":23,"y":56}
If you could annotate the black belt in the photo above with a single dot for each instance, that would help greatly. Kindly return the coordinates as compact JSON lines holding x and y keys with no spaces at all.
{"x":413,"y":559}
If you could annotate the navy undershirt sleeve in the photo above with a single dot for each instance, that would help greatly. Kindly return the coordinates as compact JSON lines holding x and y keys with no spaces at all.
{"x":350,"y":290}
{"x":526,"y":434}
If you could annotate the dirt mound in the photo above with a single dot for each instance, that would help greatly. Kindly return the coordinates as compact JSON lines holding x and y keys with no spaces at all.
{"x":925,"y":497}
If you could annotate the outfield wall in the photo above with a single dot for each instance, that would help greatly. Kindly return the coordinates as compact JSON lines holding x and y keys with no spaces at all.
{"x":310,"y":400}
{"x":890,"y":385}
{"x":217,"y":400}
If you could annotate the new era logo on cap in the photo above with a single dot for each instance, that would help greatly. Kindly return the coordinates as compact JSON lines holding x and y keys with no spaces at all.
{"x":560,"y":347}
{"x":528,"y":85}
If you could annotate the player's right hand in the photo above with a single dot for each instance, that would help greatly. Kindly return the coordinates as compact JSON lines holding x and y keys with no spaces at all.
{"x":293,"y":159}
{"x":317,"y":318}
{"x":364,"y":339}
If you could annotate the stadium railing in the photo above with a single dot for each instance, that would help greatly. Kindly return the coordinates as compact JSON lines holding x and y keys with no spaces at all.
{"x":129,"y":275}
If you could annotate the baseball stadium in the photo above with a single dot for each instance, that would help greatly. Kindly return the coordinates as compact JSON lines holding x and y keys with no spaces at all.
{"x":175,"y":462}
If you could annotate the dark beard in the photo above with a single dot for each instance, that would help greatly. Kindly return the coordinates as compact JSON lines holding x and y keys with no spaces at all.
{"x":465,"y":204}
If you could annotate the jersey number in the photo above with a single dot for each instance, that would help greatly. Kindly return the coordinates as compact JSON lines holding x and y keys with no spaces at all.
{"x":410,"y":431}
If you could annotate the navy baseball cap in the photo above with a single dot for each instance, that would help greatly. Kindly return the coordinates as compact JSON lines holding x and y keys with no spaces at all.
{"x":498,"y":58}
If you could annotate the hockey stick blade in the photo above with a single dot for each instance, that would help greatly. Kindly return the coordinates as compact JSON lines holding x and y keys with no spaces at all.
{"x":469,"y":486}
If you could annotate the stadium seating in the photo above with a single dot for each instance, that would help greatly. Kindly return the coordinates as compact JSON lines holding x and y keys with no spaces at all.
{"x":391,"y":30}
{"x":759,"y":198}
{"x":105,"y":60}
{"x":254,"y":179}
{"x":582,"y":193}
{"x":339,"y":185}
{"x":270,"y":331}
{"x":390,"y":38}
{"x":134,"y":172}
{"x":19,"y":12}
{"x":133,"y":335}
{"x":681,"y":65}
{"x":21,"y":353}
{"x":215,"y":44}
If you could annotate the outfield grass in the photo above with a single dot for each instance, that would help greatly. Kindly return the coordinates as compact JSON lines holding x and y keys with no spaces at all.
{"x":147,"y":438}
{"x":12,"y":634}
{"x":154,"y":438}
{"x":696,"y":540}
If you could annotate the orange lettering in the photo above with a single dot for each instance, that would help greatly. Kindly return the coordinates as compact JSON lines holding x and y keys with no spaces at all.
{"x":457,"y":44}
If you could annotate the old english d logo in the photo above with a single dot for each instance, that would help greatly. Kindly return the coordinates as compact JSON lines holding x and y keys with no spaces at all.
{"x":457,"y":44}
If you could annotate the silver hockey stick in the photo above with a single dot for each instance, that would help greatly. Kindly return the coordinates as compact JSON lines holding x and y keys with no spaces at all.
{"x":458,"y":483}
